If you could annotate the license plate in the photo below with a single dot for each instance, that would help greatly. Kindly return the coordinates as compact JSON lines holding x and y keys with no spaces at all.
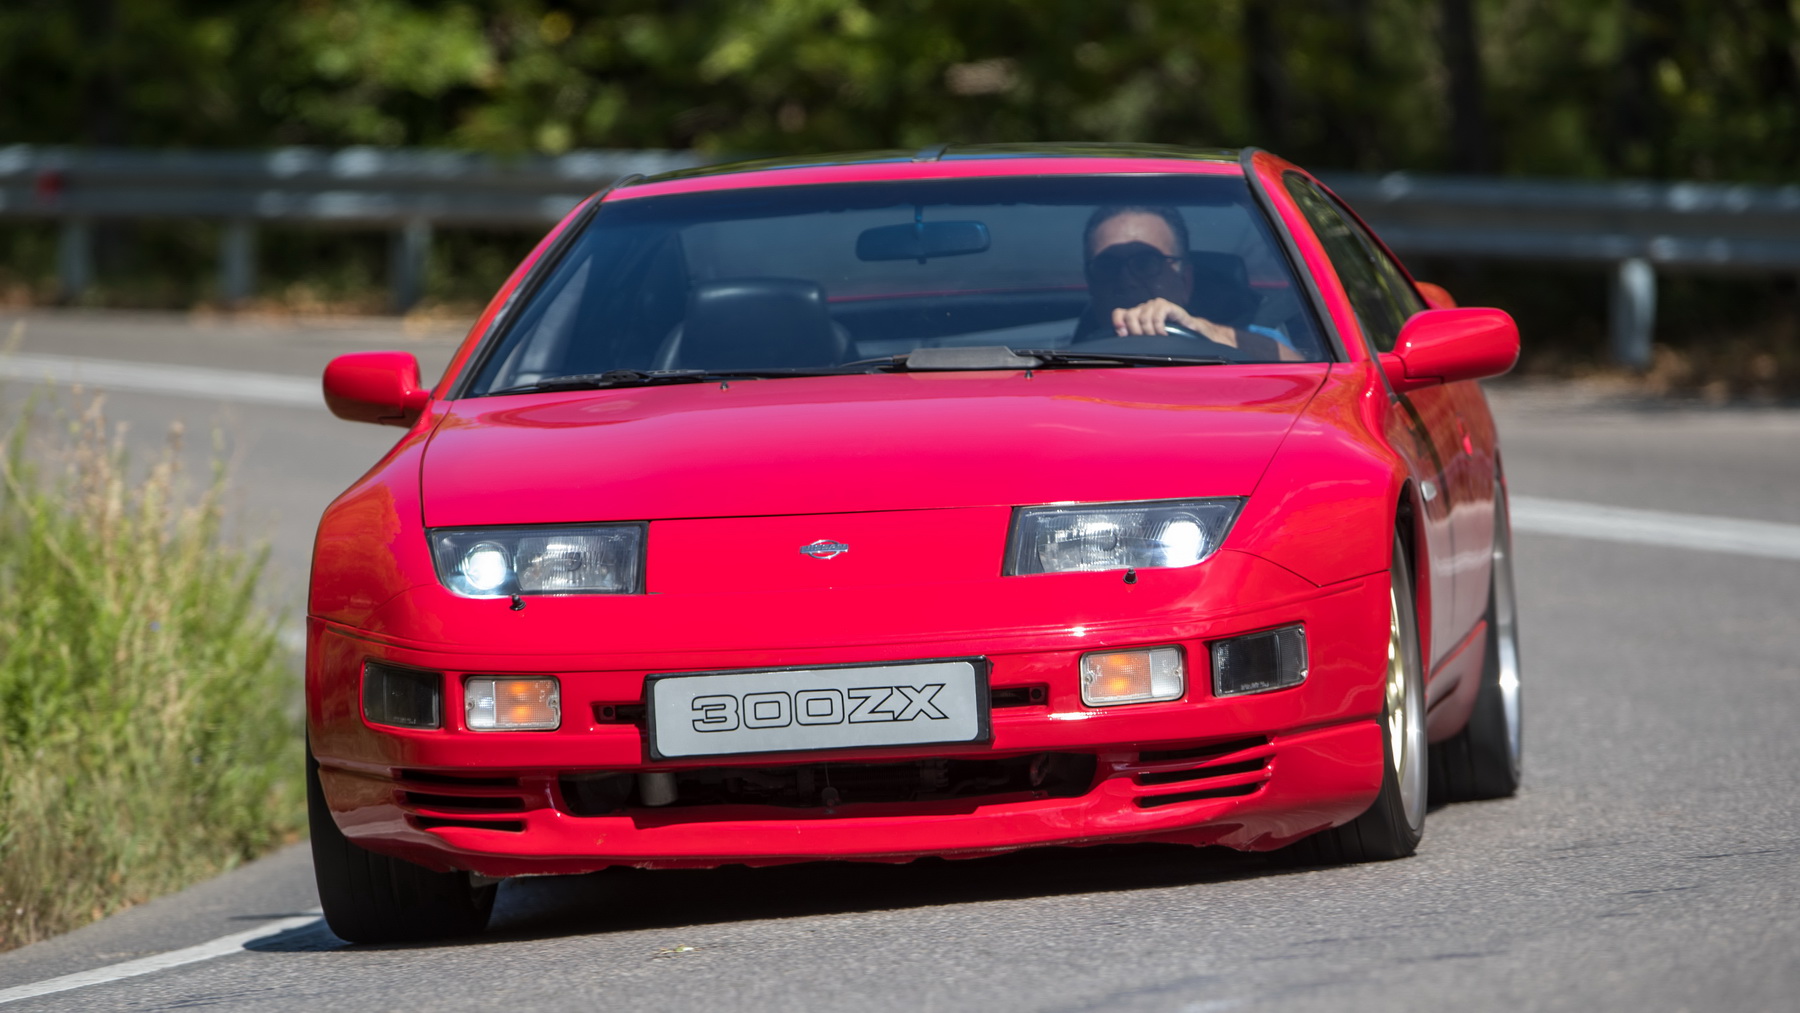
{"x":788,"y":710}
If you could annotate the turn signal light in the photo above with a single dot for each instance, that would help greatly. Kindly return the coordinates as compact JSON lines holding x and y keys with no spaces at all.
{"x":494,"y":704}
{"x":1260,"y":662}
{"x":1109,"y":678}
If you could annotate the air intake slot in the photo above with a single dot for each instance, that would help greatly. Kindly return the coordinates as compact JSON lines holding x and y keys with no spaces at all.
{"x":1202,"y":752}
{"x":1201,"y":773}
{"x":466,"y":803}
{"x":440,"y":822}
{"x":829,"y":785}
{"x":457,"y":780}
{"x":1229,"y":791}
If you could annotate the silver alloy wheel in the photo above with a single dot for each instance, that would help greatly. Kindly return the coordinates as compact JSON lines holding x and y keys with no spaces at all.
{"x":1506,"y":634}
{"x":1405,"y":719}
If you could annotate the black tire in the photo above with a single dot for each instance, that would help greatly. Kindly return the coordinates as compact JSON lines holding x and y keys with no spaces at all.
{"x":371,"y":898}
{"x":1483,"y":760}
{"x":1388,"y":830}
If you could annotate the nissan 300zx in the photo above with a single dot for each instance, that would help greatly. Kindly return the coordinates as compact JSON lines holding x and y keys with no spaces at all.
{"x":909,"y":504}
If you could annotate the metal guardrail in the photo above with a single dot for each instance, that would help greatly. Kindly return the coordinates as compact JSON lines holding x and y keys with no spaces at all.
{"x":1635,"y":227}
{"x":1638,"y":228}
{"x":407,"y":192}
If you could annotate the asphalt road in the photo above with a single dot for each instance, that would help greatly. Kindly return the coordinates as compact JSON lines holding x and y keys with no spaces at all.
{"x":1651,"y":862}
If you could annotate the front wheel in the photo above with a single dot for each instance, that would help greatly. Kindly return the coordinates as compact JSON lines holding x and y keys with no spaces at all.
{"x":371,"y":898}
{"x":1483,"y":760}
{"x":1393,"y":826}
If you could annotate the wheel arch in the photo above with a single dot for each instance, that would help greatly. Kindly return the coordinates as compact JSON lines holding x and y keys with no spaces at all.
{"x":1409,"y":514}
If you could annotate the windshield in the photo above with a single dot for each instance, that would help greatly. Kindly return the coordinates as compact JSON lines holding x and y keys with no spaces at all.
{"x":848,"y":277}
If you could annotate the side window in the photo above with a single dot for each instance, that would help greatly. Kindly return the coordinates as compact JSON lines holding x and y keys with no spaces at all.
{"x":1378,"y":290}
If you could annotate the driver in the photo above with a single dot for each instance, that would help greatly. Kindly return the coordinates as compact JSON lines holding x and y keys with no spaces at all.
{"x":1139,"y":281}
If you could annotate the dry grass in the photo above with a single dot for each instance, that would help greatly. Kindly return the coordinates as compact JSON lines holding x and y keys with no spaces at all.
{"x":148,"y":736}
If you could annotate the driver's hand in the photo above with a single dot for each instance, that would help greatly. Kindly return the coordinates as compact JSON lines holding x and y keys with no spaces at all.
{"x":1154,"y":316}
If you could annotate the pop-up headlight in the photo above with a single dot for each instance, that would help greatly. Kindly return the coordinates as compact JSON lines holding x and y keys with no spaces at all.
{"x":1118,"y":536}
{"x":496,"y":562}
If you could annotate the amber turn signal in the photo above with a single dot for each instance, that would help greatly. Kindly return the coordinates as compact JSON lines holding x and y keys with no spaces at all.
{"x":496,"y":704}
{"x":1109,"y":678}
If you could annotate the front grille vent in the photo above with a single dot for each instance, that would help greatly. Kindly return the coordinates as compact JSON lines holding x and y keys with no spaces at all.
{"x":1202,"y":752}
{"x":439,"y":822}
{"x":434,"y":798}
{"x":830,"y":785}
{"x":1202,"y":773}
{"x":1228,"y":791}
{"x":458,"y":780}
{"x":1210,"y":761}
{"x":466,"y":803}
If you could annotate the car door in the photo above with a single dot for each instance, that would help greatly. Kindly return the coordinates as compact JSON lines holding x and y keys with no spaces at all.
{"x":1461,"y":432}
{"x":1423,"y":423}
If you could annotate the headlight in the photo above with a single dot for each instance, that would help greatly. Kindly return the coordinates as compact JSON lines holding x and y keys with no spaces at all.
{"x":497,"y":562}
{"x":1118,"y":536}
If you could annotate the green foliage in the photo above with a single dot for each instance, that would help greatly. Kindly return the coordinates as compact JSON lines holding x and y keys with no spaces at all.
{"x":1674,"y":88}
{"x":147,"y":728}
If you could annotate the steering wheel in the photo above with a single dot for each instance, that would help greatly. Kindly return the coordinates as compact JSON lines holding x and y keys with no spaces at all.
{"x":1104,"y":340}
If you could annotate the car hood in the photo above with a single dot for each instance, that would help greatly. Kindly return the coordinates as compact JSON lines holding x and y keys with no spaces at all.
{"x":851,"y":444}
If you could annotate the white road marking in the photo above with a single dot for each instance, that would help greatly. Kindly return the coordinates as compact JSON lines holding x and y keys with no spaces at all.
{"x":222,"y":946}
{"x":152,"y":378}
{"x":1766,"y":539}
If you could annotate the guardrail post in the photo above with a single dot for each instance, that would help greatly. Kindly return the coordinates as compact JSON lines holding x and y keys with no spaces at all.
{"x":1633,"y":312}
{"x":237,"y":261}
{"x":411,"y":252}
{"x":74,"y":258}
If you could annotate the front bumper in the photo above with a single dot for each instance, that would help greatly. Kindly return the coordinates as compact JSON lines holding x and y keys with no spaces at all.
{"x":1250,"y":772}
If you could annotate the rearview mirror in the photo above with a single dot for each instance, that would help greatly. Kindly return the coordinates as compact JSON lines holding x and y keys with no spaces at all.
{"x":379,"y":387}
{"x":1444,"y":346}
{"x":922,"y":240}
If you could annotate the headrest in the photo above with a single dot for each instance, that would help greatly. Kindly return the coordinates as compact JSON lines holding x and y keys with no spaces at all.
{"x":754,"y":323}
{"x":1222,"y":291}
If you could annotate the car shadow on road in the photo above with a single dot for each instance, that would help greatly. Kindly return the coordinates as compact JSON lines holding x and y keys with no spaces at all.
{"x":626,"y":900}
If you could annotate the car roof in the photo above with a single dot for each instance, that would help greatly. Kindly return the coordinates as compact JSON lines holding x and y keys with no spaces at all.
{"x":944,"y":161}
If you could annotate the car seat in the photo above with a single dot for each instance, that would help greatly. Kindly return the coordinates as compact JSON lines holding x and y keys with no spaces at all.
{"x":1222,"y":291}
{"x":754,"y":323}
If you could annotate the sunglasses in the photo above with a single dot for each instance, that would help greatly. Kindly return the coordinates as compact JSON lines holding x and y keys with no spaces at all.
{"x":1139,"y":260}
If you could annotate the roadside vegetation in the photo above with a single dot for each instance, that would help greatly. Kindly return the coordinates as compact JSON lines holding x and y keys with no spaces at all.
{"x":148,"y":716}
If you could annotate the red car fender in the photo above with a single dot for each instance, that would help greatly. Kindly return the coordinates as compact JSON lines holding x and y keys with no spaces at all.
{"x":367,"y":549}
{"x":1340,"y":528}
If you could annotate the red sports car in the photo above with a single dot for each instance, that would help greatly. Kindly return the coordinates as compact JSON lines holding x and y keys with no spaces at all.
{"x":903,"y":504}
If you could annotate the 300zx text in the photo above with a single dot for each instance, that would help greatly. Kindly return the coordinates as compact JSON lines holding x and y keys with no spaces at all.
{"x":727,"y":712}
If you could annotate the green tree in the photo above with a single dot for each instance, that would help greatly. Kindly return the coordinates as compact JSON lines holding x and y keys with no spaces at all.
{"x":1676,"y":88}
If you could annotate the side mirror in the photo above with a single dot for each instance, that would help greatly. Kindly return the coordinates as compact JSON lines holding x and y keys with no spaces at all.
{"x":1444,"y":346}
{"x":379,"y":387}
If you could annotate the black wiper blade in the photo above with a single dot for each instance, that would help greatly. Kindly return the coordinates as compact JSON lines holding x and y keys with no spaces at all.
{"x":648,"y":377}
{"x":985,"y":357}
{"x":1064,"y":357}
{"x":597,"y":381}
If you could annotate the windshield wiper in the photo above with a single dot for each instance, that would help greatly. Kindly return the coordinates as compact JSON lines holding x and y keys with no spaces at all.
{"x":1064,"y":357}
{"x":979,"y":357}
{"x":613,"y":378}
{"x":984,"y":357}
